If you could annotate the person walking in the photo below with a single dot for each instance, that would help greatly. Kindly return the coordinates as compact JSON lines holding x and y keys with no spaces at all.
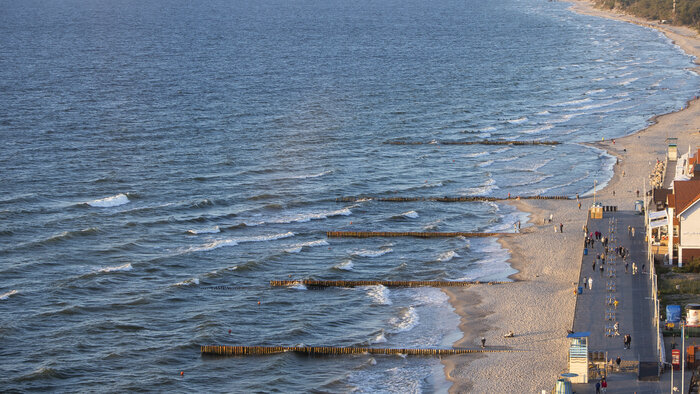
{"x":585,"y":282}
{"x":597,"y":387}
{"x":483,"y":342}
{"x":561,"y":227}
{"x":590,"y":283}
{"x":604,"y":385}
{"x":551,"y":216}
{"x":618,"y":360}
{"x":627,"y":265}
{"x":593,"y":266}
{"x":632,"y":232}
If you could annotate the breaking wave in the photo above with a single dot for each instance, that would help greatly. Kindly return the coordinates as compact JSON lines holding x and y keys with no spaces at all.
{"x":371,"y":253}
{"x":107,"y":202}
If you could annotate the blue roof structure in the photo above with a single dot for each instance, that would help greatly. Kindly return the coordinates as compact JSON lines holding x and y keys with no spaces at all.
{"x":582,"y":334}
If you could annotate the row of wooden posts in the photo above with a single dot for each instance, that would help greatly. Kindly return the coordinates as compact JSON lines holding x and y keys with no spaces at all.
{"x":387,"y":283}
{"x":449,"y":199}
{"x":479,"y":142}
{"x":221,"y":350}
{"x":417,"y":234}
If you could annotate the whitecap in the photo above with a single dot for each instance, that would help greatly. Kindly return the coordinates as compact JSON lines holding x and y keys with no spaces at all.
{"x":595,"y":91}
{"x":410,"y":214}
{"x":318,"y":175}
{"x":379,"y":294}
{"x":573,"y":102}
{"x":518,"y":121}
{"x":488,"y":128}
{"x":346,"y":265}
{"x":119,"y":199}
{"x":447,"y":256}
{"x":406,"y":320}
{"x":304,"y":217}
{"x":371,"y":253}
{"x":208,"y":230}
{"x":542,"y":113}
{"x":477,"y":154}
{"x":8,"y":294}
{"x":538,"y":129}
{"x":235,"y":241}
{"x":485,"y":163}
{"x":298,"y":247}
{"x":188,"y":282}
{"x":123,"y":267}
{"x":380,"y":338}
{"x":297,"y":286}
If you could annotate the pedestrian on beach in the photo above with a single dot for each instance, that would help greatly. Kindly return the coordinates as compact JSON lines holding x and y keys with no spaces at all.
{"x":604,"y":385}
{"x":551,"y":216}
{"x":585,"y":282}
{"x":518,"y":225}
{"x":590,"y":283}
{"x":629,"y":230}
{"x":561,"y":227}
{"x":483,"y":342}
{"x":594,"y":266}
{"x":576,"y":196}
{"x":579,"y":205}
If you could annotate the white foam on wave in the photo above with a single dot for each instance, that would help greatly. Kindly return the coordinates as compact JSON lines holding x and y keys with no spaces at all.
{"x":543,"y":113}
{"x":297,"y":286}
{"x":546,"y":127}
{"x":598,"y":105}
{"x":208,"y":230}
{"x":487,"y":187}
{"x":476,"y":154}
{"x":235,"y":241}
{"x":405,"y":321}
{"x":123,"y":267}
{"x":318,"y":175}
{"x":346,"y":265}
{"x":380,"y":338}
{"x":594,"y":91}
{"x":518,"y":120}
{"x":485,"y":163}
{"x":573,"y":102}
{"x":488,"y":128}
{"x":371,"y":253}
{"x":566,"y":118}
{"x":447,"y":256}
{"x":410,"y":214}
{"x":188,"y":282}
{"x":298,"y":247}
{"x":379,"y":294}
{"x":627,"y":82}
{"x":107,"y":202}
{"x":303,"y":217}
{"x":8,"y":294}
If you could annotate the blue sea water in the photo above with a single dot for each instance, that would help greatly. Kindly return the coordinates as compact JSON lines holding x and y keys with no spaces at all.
{"x":154,"y":150}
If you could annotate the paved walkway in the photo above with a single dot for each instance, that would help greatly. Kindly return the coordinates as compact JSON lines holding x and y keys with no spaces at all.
{"x":595,"y":310}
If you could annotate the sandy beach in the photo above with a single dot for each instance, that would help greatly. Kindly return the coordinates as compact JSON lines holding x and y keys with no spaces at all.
{"x":539,"y":305}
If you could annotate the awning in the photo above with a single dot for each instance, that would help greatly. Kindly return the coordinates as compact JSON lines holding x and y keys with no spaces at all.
{"x":657,"y":215}
{"x":658,"y":223}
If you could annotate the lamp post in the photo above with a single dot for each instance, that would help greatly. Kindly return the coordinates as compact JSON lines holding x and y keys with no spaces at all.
{"x":683,"y":357}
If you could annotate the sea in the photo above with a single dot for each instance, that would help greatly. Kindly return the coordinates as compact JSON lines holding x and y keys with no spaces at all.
{"x":162,"y":161}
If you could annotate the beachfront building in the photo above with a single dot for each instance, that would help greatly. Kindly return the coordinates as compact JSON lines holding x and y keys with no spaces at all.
{"x":673,"y":222}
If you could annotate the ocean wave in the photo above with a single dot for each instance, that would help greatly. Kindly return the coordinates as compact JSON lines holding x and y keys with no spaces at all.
{"x":346,"y":265}
{"x":572,"y":102}
{"x":538,"y":129}
{"x":298,"y":247}
{"x":297,"y":286}
{"x":594,"y":91}
{"x":405,"y":321}
{"x":477,"y":154}
{"x":485,"y":163}
{"x":202,"y":203}
{"x":302,"y":217}
{"x":379,"y":338}
{"x":543,"y":113}
{"x":432,"y":225}
{"x":410,"y":214}
{"x":488,"y":128}
{"x":627,"y":82}
{"x":598,"y":105}
{"x":447,"y":256}
{"x":123,"y":267}
{"x":371,"y":253}
{"x":8,"y":294}
{"x":235,"y":241}
{"x":107,"y":202}
{"x":378,"y":293}
{"x":71,"y":234}
{"x":318,"y":175}
{"x":208,"y":230}
{"x":518,"y":120}
{"x":188,"y":282}
{"x":487,"y":187}
{"x":565,"y":118}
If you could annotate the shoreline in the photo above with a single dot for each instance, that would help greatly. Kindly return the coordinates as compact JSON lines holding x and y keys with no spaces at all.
{"x":545,"y":269}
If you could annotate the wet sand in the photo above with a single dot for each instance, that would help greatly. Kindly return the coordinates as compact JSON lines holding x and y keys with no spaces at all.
{"x":539,"y":306}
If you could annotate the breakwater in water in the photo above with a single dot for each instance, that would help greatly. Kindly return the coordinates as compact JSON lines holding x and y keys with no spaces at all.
{"x":222,"y":350}
{"x":386,"y":283}
{"x":416,"y":234}
{"x":448,"y":199}
{"x":480,"y":142}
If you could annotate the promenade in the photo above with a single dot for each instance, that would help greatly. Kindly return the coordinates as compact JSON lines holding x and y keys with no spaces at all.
{"x":596,"y":310}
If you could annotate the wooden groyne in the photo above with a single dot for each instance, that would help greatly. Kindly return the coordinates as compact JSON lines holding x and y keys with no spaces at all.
{"x":478,"y":142}
{"x":448,"y":199}
{"x":386,"y":234}
{"x":387,"y":283}
{"x":222,"y":350}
